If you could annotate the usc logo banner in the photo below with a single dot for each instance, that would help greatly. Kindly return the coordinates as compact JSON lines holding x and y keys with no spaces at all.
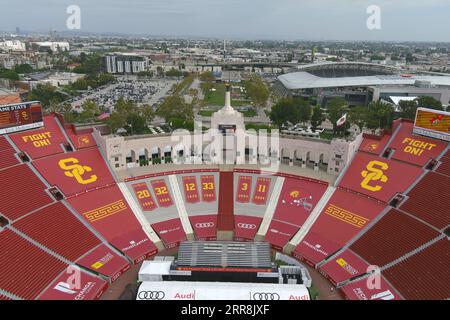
{"x":73,"y":170}
{"x":374,"y":172}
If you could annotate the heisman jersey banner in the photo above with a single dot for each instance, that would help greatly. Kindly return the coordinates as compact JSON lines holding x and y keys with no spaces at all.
{"x":144,"y":197}
{"x":261,"y":190}
{"x":433,"y":123}
{"x":162,"y":193}
{"x":208,"y":188}
{"x":244,"y":189}
{"x":190,"y":189}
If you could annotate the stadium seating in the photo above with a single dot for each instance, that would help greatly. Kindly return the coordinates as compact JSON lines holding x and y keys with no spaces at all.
{"x":75,"y":172}
{"x":225,"y":219}
{"x":344,"y":216}
{"x":4,"y":298}
{"x":25,"y":192}
{"x":379,"y":178}
{"x":427,"y":204}
{"x":7,"y":158}
{"x":393,"y":236}
{"x":80,"y":139}
{"x":56,"y":228}
{"x":444,"y":167}
{"x":42,"y":142}
{"x":246,"y":227}
{"x":359,"y":290}
{"x":424,"y":275}
{"x":105,"y":261}
{"x":417,"y":150}
{"x":107,"y":211}
{"x":26,"y":269}
{"x":374,"y":144}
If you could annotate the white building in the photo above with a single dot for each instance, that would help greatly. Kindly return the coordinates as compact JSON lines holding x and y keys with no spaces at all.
{"x":122,"y":63}
{"x":12,"y":45}
{"x":53,"y":46}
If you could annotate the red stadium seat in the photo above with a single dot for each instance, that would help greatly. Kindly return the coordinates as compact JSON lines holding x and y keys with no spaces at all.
{"x":26,"y":270}
{"x":25,"y":192}
{"x":56,"y":228}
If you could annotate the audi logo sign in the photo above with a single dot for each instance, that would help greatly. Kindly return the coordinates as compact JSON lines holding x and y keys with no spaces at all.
{"x":246,"y":226}
{"x":151,"y":295}
{"x":204,"y":225}
{"x":266,"y":296}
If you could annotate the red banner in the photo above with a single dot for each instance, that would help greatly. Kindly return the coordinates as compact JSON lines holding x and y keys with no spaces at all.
{"x":190,"y":189}
{"x":261,"y":190}
{"x":144,"y":197}
{"x":208,"y":188}
{"x":162,"y":193}
{"x":244,"y":189}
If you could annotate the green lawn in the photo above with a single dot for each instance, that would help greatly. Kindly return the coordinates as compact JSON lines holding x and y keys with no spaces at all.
{"x":217,"y":98}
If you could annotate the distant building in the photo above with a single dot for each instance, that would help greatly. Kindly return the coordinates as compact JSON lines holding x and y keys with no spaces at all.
{"x":56,"y":79}
{"x":53,"y":46}
{"x":12,"y":45}
{"x":122,"y":63}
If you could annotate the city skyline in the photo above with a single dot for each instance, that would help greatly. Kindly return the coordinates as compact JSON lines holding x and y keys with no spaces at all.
{"x":289,"y":20}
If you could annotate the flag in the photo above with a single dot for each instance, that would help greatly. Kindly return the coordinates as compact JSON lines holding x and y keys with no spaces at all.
{"x":342,"y":120}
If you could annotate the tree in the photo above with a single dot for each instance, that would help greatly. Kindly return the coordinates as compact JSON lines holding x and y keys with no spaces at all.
{"x":408,"y":109}
{"x":129,"y":116}
{"x":317,"y":117}
{"x":9,"y":74}
{"x":257,"y":90}
{"x":45,"y":93}
{"x":174,"y":73}
{"x":175,"y":107}
{"x":358,"y":116}
{"x":90,"y":110}
{"x":380,"y":115}
{"x":304,"y":111}
{"x":429,"y":102}
{"x":23,"y":68}
{"x":336,"y":109}
{"x":290,"y":110}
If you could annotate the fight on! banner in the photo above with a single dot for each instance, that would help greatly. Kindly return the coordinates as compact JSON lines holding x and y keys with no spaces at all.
{"x":190,"y":189}
{"x":244,"y":189}
{"x":208,"y":188}
{"x":144,"y":197}
{"x":162,"y":193}
{"x":261,"y":190}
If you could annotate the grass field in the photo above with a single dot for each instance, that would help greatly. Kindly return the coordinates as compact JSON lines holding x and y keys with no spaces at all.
{"x":217,"y":98}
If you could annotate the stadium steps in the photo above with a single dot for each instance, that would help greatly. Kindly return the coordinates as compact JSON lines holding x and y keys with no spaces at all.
{"x":178,"y":197}
{"x":270,"y":210}
{"x":95,"y":232}
{"x":395,"y":262}
{"x":40,"y":246}
{"x":393,"y":136}
{"x":356,"y":237}
{"x":135,"y":208}
{"x":413,"y":252}
{"x":225,"y":217}
{"x":9,"y":295}
{"x":64,"y":133}
{"x":303,"y":231}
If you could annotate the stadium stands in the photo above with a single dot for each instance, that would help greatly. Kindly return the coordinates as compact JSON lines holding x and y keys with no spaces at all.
{"x":359,"y":290}
{"x":56,"y":228}
{"x":26,"y":269}
{"x":379,"y":178}
{"x":7,"y":158}
{"x":80,"y":139}
{"x":205,"y":226}
{"x":4,"y":298}
{"x":344,"y":266}
{"x":90,"y":286}
{"x":171,"y":232}
{"x":25,"y":192}
{"x":345,"y":215}
{"x":444,"y":167}
{"x":417,"y":150}
{"x":246,"y":227}
{"x":42,"y":142}
{"x":108,"y":212}
{"x":374,"y":144}
{"x":75,"y":172}
{"x":386,"y":241}
{"x":225,"y":219}
{"x":427,"y":204}
{"x":280,"y":233}
{"x":425,"y":275}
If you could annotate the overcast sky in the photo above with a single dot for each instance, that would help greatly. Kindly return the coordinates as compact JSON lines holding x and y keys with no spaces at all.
{"x":409,"y":20}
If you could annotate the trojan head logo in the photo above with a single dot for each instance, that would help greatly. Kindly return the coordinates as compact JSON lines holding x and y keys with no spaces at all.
{"x":83,"y":140}
{"x":299,"y":198}
{"x":374,"y":146}
{"x":374,"y":172}
{"x":74,"y":170}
